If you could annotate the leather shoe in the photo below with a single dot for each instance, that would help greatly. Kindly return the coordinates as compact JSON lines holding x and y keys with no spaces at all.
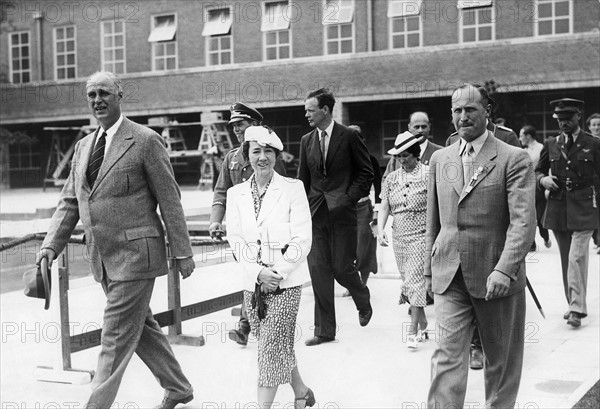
{"x":317,"y":340}
{"x":238,"y":336}
{"x":574,"y":320}
{"x":169,"y":403}
{"x":476,"y":359}
{"x":566,"y":315}
{"x":365,"y":317}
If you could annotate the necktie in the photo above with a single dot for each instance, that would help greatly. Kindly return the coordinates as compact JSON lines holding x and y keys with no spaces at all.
{"x":96,"y":159}
{"x":569,"y":141}
{"x":467,"y":160}
{"x":323,"y":151}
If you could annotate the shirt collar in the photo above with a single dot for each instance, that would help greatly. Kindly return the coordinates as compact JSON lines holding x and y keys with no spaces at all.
{"x":477,"y":143}
{"x":110,"y":132}
{"x":329,"y":130}
{"x":423,"y":145}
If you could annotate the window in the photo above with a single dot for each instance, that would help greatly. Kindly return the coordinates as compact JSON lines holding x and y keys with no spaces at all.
{"x":164,"y":42}
{"x":276,"y":28}
{"x":338,"y":19}
{"x":20,"y":58}
{"x":65,"y":57}
{"x":553,"y":17}
{"x":405,"y":23}
{"x":476,"y":20}
{"x":217,"y":31}
{"x":391,"y":128}
{"x":112,"y":41}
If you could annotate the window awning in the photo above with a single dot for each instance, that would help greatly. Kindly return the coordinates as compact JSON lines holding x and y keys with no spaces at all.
{"x":219,"y":23}
{"x":403,"y":8}
{"x":469,"y":4}
{"x":164,"y":31}
{"x":275,"y":17}
{"x":338,"y":12}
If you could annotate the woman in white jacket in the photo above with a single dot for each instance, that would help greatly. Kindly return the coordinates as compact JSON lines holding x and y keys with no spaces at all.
{"x":269,"y":229}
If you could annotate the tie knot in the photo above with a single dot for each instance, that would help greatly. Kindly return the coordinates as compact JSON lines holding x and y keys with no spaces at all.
{"x":467,"y":150}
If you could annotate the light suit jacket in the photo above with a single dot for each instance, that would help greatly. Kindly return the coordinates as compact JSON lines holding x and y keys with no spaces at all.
{"x":284,"y":221}
{"x":489,"y":228}
{"x":123,"y":230}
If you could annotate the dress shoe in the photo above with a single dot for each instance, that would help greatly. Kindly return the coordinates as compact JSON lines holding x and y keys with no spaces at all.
{"x":476,"y":359}
{"x":574,"y":320}
{"x":533,"y":247}
{"x":566,"y":315}
{"x":240,"y":335}
{"x":309,"y":398}
{"x":548,"y":243}
{"x":169,"y":403}
{"x":317,"y":340}
{"x":346,"y":294}
{"x":365,"y":317}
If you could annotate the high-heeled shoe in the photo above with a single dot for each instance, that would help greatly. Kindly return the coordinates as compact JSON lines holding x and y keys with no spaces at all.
{"x":411,"y":342}
{"x":309,"y":398}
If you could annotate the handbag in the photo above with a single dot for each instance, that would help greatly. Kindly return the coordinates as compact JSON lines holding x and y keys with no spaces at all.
{"x":37,"y":282}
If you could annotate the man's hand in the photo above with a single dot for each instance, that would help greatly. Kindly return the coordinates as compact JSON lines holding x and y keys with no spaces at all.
{"x":185,"y":266}
{"x":47,"y":253}
{"x":215,"y":229}
{"x":497,"y":285}
{"x":548,"y":182}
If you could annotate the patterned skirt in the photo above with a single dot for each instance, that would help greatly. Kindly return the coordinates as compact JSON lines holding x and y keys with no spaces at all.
{"x":275,"y":335}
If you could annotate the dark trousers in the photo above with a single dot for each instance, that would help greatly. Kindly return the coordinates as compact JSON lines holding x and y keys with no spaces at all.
{"x":332,"y":256}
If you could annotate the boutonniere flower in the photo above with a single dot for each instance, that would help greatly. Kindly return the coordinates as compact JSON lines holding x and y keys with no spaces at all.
{"x":473,"y":181}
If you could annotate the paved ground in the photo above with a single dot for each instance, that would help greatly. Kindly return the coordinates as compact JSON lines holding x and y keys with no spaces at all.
{"x":367,"y":368}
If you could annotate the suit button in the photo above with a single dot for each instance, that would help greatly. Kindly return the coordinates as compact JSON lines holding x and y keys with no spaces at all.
{"x":244,"y":179}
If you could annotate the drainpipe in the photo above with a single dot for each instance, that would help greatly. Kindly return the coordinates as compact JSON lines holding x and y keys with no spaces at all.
{"x":369,"y":25}
{"x":40,"y":62}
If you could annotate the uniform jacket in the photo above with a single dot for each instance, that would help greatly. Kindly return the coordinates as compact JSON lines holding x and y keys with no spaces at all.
{"x":571,"y":210}
{"x":394,"y":163}
{"x":123,"y":230}
{"x":491,"y":227}
{"x":348,"y":167}
{"x":236,"y":169}
{"x":503,"y":133}
{"x":284,"y":221}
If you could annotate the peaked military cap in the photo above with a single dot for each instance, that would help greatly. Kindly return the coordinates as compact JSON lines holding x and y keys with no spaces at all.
{"x":240,"y":111}
{"x":566,"y":107}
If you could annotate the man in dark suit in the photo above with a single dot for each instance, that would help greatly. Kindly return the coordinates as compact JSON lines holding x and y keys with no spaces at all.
{"x":336,"y":171}
{"x":120,"y":173}
{"x":480,"y":225}
{"x":418,"y":125}
{"x":569,"y":168}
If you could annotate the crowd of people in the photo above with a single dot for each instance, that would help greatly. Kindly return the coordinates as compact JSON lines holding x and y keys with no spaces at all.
{"x":463,"y":220}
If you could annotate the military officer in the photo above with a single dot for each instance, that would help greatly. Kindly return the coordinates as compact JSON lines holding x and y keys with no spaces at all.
{"x":573,"y":160}
{"x":235,"y":169}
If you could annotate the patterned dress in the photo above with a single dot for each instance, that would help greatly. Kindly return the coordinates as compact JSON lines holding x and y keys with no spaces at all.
{"x":406,"y":193}
{"x":276,"y":332}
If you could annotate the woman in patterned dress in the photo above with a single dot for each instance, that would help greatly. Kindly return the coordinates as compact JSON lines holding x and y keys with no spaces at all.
{"x":404,"y":196}
{"x":269,"y":229}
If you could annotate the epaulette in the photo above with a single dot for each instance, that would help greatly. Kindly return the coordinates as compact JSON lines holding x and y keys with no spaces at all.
{"x":504,"y":128}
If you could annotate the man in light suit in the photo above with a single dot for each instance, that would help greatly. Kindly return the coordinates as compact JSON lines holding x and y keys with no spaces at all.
{"x":336,"y":171}
{"x":480,"y":224}
{"x":119,"y":174}
{"x":418,"y":125}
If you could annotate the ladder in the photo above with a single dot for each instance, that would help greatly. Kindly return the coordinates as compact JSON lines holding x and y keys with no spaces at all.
{"x":215,"y":141}
{"x":59,"y":158}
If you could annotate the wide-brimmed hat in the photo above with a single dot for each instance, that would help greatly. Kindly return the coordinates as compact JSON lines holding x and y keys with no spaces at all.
{"x":565,"y":108}
{"x":263,"y":137}
{"x":403,"y":141}
{"x":240,"y":111}
{"x":37,"y":282}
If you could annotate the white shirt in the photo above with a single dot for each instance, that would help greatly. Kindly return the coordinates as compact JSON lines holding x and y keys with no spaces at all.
{"x":329,"y":130}
{"x":110,"y":132}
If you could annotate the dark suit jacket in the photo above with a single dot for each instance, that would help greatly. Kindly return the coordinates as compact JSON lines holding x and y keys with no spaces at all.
{"x":349,"y":172}
{"x":119,"y":213}
{"x":394,"y":164}
{"x":503,"y":133}
{"x":490,"y":227}
{"x":571,"y":210}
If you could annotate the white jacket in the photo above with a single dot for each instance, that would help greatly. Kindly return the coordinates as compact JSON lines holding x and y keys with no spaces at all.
{"x":284,"y":220}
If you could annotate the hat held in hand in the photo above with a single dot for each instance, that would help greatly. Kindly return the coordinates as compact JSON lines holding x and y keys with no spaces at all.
{"x":37,"y":282}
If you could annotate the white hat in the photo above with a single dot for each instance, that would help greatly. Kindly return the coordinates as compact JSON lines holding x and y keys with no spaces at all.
{"x":403,"y":141}
{"x":263,"y":137}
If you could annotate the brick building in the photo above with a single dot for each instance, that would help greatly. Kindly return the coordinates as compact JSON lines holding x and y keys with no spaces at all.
{"x":383,"y":58}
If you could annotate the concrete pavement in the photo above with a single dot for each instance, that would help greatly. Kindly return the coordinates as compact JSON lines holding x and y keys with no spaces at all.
{"x":366,"y":368}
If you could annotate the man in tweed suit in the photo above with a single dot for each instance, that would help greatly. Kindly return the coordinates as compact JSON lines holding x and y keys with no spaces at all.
{"x":480,"y":225}
{"x":119,"y":174}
